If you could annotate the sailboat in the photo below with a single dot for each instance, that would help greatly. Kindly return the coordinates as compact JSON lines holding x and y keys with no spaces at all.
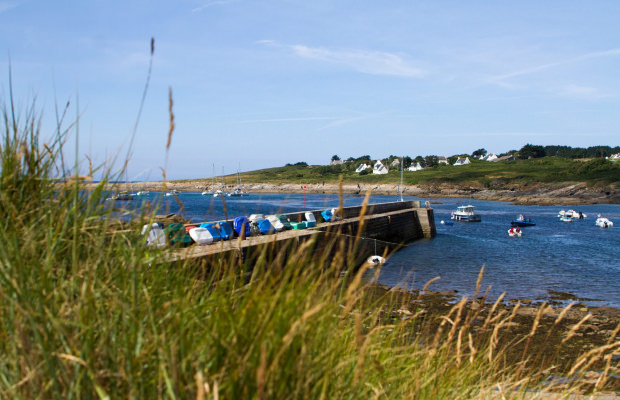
{"x":210,"y":193}
{"x":238,"y":192}
{"x":220,"y":192}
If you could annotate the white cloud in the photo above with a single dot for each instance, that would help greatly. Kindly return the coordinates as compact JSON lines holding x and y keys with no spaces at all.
{"x":212,"y":3}
{"x":369,"y":62}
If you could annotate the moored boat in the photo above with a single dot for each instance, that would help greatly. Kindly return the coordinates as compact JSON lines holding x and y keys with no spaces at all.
{"x":172,"y":192}
{"x":466,"y":214}
{"x":121,"y":196}
{"x":603,"y":222}
{"x":515,"y":232}
{"x":521,"y":221}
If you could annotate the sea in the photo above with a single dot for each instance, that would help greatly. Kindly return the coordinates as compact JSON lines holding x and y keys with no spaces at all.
{"x":553,"y":260}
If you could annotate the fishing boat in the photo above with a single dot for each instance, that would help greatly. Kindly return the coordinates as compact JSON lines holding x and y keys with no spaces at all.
{"x":521,"y":221}
{"x":572,"y":214}
{"x":465,"y":214}
{"x":566,"y":218}
{"x":603,"y":222}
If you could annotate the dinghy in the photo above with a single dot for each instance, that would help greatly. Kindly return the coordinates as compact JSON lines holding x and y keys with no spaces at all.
{"x":241,"y":225}
{"x":284,"y":219}
{"x":156,"y":236}
{"x":515,"y":232}
{"x":202,"y":236}
{"x":213,"y":230}
{"x":327,"y":215}
{"x":178,"y":235}
{"x":226,"y":231}
{"x":275,"y":221}
{"x":265,"y":227}
{"x":299,"y":225}
{"x":310,"y":220}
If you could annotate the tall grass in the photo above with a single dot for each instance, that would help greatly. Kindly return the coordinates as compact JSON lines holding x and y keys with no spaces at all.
{"x":86,"y":313}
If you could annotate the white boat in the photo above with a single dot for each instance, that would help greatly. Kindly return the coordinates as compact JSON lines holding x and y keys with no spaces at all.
{"x":375,"y":260}
{"x":207,"y":193}
{"x":155,"y":235}
{"x":515,"y":232}
{"x":465,"y":214}
{"x":172,"y":192}
{"x":219,"y":193}
{"x":603,"y":222}
{"x":238,"y":192}
{"x":572,"y":214}
{"x":202,"y":236}
{"x":565,"y":218}
{"x":121,"y":196}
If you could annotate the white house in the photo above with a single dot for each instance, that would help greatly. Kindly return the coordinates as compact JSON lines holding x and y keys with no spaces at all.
{"x":462,"y":161}
{"x":395,"y":163}
{"x":489,"y":157}
{"x":508,"y":157}
{"x":379,"y":168}
{"x":442,"y":160}
{"x":336,"y":162}
{"x":361,"y":168}
{"x":415,"y":167}
{"x":614,"y":157}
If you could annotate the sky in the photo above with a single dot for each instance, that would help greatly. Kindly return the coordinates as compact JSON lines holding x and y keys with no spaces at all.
{"x":262,"y":83}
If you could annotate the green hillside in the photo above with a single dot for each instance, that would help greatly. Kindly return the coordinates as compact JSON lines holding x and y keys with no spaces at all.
{"x":479,"y":173}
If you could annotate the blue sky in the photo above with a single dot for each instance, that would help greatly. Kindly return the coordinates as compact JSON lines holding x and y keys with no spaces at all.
{"x":262,"y":83}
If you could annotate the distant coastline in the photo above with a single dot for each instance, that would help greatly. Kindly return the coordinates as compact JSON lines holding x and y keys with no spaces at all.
{"x":530,"y":194}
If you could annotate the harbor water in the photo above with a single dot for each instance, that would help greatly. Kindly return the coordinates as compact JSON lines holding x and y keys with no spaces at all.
{"x":551,"y":259}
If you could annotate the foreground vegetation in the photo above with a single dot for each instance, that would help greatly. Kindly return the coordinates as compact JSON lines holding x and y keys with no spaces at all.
{"x":478,"y":173}
{"x":88,"y":312}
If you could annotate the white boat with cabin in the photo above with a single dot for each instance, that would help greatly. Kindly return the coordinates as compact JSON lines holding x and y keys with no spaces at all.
{"x":466,"y":214}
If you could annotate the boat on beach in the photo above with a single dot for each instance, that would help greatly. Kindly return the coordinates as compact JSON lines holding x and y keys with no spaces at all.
{"x":465,"y":214}
{"x":522,"y":221}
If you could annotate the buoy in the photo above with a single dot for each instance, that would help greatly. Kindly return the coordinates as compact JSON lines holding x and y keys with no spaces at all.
{"x":375,"y":260}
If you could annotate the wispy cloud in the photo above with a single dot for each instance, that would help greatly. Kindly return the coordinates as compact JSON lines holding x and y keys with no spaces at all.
{"x":7,"y":5}
{"x":500,"y":79}
{"x":293,"y":119}
{"x":582,"y":92}
{"x":212,"y":3}
{"x":368,"y":62}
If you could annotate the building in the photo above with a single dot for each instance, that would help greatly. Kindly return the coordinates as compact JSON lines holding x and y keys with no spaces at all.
{"x":379,"y":168}
{"x":336,"y":162}
{"x":361,"y":168}
{"x":415,"y":167}
{"x":395,"y":163}
{"x":489,"y":157}
{"x":614,"y":157}
{"x":442,"y":160}
{"x":508,"y":157}
{"x":462,"y":161}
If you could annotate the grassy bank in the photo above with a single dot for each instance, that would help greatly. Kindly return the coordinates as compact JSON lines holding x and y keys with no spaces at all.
{"x":88,"y":312}
{"x":477,"y":174}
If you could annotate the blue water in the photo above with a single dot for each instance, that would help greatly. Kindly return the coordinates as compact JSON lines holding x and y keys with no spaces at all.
{"x":577,"y":258}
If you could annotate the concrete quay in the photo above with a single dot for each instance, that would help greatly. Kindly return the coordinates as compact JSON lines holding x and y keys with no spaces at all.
{"x":385,"y":227}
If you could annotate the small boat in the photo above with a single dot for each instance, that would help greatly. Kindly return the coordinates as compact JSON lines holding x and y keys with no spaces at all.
{"x":310,"y":219}
{"x":465,"y":214}
{"x":237,"y":193}
{"x":214,"y":230}
{"x":448,"y":223}
{"x":219,"y":193}
{"x":275,"y":221}
{"x":515,"y":232}
{"x":565,"y":218}
{"x":142,"y":193}
{"x":172,"y":192}
{"x":241,"y":225}
{"x":572,"y":214}
{"x":265,"y":227}
{"x":121,"y":196}
{"x":155,"y":235}
{"x":207,"y":193}
{"x":375,"y":260}
{"x":603,"y":222}
{"x":202,"y":236}
{"x":521,"y":221}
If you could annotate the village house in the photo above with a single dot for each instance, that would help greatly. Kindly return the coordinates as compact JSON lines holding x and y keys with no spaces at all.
{"x":362,"y":167}
{"x":379,"y":168}
{"x":442,"y":160}
{"x":415,"y":167}
{"x":395,"y":163}
{"x":489,"y":157}
{"x":462,"y":161}
{"x":508,"y":157}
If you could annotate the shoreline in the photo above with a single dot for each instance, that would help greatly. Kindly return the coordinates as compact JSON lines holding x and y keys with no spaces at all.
{"x":529,"y":194}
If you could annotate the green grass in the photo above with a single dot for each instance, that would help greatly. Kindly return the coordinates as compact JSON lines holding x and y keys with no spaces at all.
{"x":87,"y":312}
{"x":478,"y":173}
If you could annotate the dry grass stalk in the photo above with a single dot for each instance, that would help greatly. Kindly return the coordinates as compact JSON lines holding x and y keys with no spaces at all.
{"x":575,"y":328}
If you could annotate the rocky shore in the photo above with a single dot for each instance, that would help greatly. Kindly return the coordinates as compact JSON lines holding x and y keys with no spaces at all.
{"x":530,"y":194}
